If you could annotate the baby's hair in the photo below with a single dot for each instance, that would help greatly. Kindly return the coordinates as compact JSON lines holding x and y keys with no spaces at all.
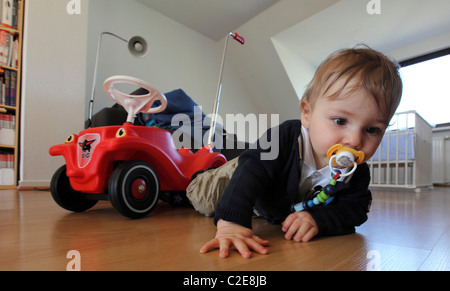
{"x":359,"y":68}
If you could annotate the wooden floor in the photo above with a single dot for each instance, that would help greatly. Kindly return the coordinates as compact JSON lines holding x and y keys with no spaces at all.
{"x":405,"y":231}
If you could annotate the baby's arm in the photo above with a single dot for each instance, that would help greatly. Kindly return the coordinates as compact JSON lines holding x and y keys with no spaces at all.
{"x":300,"y":226}
{"x":234,"y":235}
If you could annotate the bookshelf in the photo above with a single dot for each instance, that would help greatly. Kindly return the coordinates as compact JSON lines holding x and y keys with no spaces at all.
{"x":11,"y":39}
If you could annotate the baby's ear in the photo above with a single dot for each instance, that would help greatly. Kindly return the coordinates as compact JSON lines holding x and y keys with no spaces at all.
{"x":305,"y":108}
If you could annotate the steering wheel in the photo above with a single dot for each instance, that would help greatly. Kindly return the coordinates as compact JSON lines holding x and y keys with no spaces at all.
{"x":135,"y":104}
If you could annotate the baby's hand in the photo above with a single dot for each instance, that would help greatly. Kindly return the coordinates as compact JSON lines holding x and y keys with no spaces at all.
{"x":300,"y":226}
{"x":231,"y":234}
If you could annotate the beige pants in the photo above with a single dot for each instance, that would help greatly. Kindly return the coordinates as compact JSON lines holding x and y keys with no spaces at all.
{"x":205,"y":190}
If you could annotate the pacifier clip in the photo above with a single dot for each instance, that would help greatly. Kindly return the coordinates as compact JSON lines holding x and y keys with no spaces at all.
{"x":340,"y":157}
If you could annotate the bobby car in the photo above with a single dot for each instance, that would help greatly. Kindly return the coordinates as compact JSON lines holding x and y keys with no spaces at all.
{"x":128,"y":165}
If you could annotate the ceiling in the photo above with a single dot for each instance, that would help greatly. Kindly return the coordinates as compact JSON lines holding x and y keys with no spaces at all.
{"x":213,"y":18}
{"x":348,"y":23}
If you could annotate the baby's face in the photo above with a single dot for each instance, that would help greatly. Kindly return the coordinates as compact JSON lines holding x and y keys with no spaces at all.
{"x":353,"y":120}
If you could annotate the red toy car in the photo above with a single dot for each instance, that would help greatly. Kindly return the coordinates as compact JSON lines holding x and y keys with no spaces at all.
{"x":128,"y":165}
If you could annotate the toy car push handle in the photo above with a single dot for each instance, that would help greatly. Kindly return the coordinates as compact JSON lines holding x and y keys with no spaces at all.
{"x":212,"y":127}
{"x":135,"y":104}
{"x":237,"y":37}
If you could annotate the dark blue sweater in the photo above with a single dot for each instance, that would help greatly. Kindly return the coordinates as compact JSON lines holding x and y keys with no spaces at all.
{"x":271,"y":187}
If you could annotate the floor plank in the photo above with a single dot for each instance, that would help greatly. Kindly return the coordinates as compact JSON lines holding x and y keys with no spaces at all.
{"x":439,"y":259}
{"x":405,"y":231}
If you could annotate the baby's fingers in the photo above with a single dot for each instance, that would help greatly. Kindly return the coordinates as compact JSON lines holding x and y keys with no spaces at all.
{"x":258,"y":245}
{"x":242,"y":246}
{"x":288,"y":222}
{"x":261,"y":241}
{"x":222,"y":244}
{"x":309,"y":235}
{"x":212,"y":244}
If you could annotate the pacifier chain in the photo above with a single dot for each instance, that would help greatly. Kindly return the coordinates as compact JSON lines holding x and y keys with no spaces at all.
{"x":339,"y":156}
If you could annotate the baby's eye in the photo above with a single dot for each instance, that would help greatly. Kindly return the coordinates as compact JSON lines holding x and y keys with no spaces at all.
{"x":340,"y":121}
{"x":373,"y":130}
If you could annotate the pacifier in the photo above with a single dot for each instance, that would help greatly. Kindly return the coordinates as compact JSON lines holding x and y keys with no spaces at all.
{"x":340,"y":157}
{"x":344,"y":157}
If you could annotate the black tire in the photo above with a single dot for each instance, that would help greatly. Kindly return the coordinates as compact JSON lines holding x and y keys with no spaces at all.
{"x":65,"y":196}
{"x":133,"y":189}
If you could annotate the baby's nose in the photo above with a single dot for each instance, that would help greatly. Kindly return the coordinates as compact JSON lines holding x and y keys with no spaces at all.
{"x":353,"y":140}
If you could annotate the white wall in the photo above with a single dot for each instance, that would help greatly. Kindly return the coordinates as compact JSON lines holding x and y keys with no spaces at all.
{"x":53,"y":85}
{"x":299,"y":70}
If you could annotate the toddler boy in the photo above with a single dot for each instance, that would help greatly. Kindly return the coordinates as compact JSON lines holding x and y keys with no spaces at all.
{"x":350,"y":101}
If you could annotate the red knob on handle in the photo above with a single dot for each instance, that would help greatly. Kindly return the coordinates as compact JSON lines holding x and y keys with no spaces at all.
{"x":239,"y":38}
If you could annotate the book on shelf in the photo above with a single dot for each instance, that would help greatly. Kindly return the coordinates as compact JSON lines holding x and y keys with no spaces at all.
{"x":6,"y":168}
{"x":6,"y":160}
{"x":7,"y":121}
{"x":10,"y":13}
{"x":9,"y":49}
{"x":8,"y":90}
{"x":7,"y":137}
{"x":7,"y":177}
